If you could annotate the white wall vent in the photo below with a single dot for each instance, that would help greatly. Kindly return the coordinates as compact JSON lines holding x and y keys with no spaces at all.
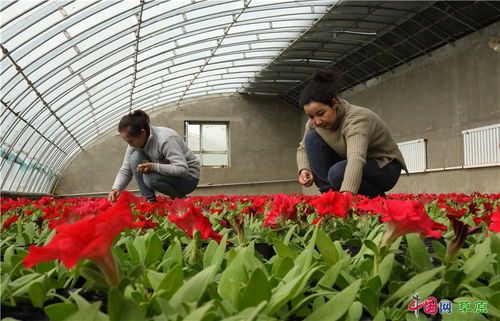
{"x":415,"y":155}
{"x":482,"y":146}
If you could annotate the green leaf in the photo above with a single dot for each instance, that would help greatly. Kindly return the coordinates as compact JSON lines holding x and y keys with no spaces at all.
{"x":385,"y":269}
{"x":193,"y":289}
{"x":494,"y":299}
{"x":495,"y":248}
{"x":94,"y":276}
{"x":414,"y":283}
{"x":174,"y":252}
{"x":369,"y":298}
{"x":155,"y":278}
{"x":88,"y":313}
{"x":283,"y":266}
{"x":172,"y":281}
{"x":233,"y":277}
{"x":37,"y":294}
{"x":154,"y":250}
{"x":248,"y":314}
{"x":355,"y":312}
{"x":283,"y":250}
{"x":330,"y":276}
{"x":303,"y":261}
{"x":132,"y":251}
{"x":477,"y":264}
{"x":209,"y":253}
{"x":419,"y":256}
{"x":198,"y":314}
{"x":428,"y":289}
{"x":327,"y":248}
{"x":286,"y":291}
{"x":289,"y":234}
{"x":219,"y":253}
{"x":21,"y":285}
{"x":336,"y":307}
{"x":380,"y":316}
{"x":257,"y":290}
{"x":374,"y":283}
{"x":372,"y":246}
{"x":122,"y":308}
{"x":60,"y":311}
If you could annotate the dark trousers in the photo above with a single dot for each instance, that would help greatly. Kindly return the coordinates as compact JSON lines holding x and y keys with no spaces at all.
{"x":329,"y":168}
{"x":175,"y":187}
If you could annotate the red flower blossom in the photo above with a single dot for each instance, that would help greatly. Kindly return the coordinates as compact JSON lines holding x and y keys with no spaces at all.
{"x":6,"y":225}
{"x":404,"y":217}
{"x":145,"y":207}
{"x":89,"y":238}
{"x":485,"y":218}
{"x":495,"y":221}
{"x":283,"y":207}
{"x":333,"y":203}
{"x":148,"y":222}
{"x":193,"y":220}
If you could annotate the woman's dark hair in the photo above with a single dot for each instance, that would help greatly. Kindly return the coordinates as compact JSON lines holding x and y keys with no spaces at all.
{"x":134,"y":122}
{"x":322,"y":88}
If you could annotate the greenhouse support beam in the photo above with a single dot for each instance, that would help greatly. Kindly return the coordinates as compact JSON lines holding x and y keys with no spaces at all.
{"x":30,"y":84}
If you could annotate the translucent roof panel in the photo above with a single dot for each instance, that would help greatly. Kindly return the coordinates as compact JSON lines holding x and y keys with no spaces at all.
{"x":70,"y":69}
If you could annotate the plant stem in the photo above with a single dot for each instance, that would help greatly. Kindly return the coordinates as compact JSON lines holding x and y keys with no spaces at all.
{"x":194,"y":249}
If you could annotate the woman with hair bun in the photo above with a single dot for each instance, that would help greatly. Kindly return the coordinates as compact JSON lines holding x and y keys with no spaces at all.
{"x":157,"y":157}
{"x":345,"y":147}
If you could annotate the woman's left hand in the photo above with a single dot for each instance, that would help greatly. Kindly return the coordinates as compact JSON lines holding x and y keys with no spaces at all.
{"x":144,"y":168}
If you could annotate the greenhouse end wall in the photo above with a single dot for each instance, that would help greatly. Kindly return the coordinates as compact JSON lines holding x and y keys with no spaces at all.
{"x":264,"y":133}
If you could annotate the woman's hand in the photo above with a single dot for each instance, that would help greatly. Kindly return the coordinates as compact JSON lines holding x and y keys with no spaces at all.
{"x":306,"y":177}
{"x":113,"y":195}
{"x":144,"y":168}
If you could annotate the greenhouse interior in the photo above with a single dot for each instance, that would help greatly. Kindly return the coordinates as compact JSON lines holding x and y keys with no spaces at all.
{"x":206,"y":160}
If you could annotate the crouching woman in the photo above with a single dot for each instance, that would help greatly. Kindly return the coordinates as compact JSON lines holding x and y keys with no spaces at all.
{"x":345,"y":147}
{"x":157,"y":157}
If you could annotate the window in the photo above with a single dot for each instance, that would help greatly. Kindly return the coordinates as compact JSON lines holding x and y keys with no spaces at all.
{"x":209,"y":142}
{"x":414,"y":154}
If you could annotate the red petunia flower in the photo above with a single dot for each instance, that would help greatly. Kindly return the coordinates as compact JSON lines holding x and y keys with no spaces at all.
{"x":6,"y":225}
{"x":495,"y":221}
{"x":404,"y":217}
{"x":283,"y":207}
{"x":333,"y":203}
{"x":193,"y":220}
{"x":89,"y":238}
{"x":148,"y":222}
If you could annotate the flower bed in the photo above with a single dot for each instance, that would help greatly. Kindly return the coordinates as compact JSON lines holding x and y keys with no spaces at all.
{"x":279,"y":257}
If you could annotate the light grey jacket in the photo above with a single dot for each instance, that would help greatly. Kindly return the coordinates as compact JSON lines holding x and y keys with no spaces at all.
{"x":167,"y":151}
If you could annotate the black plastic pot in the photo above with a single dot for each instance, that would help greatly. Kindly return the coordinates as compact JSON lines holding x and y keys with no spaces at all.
{"x":265,"y":250}
{"x":24,"y":312}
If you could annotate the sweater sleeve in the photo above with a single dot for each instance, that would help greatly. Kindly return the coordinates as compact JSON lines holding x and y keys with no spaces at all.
{"x":357,"y":146}
{"x":125,"y":174}
{"x":172,"y":149}
{"x":302,"y":162}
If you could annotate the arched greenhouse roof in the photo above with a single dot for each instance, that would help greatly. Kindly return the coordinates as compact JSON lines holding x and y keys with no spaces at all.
{"x":71,"y":69}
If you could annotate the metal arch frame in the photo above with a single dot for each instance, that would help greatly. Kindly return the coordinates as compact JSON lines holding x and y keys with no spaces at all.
{"x":120,"y":71}
{"x":355,"y":49}
{"x":90,"y":77}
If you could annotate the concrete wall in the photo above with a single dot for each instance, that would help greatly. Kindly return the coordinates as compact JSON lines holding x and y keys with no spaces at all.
{"x":436,"y":97}
{"x":264,"y":134}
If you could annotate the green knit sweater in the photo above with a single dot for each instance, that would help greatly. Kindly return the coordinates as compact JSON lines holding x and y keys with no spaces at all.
{"x":357,"y":134}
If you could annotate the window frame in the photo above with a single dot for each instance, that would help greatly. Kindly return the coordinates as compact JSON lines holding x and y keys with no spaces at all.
{"x":202,"y":152}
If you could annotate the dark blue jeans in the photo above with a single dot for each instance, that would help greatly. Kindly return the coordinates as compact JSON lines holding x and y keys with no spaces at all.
{"x":329,"y":168}
{"x":175,"y":187}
